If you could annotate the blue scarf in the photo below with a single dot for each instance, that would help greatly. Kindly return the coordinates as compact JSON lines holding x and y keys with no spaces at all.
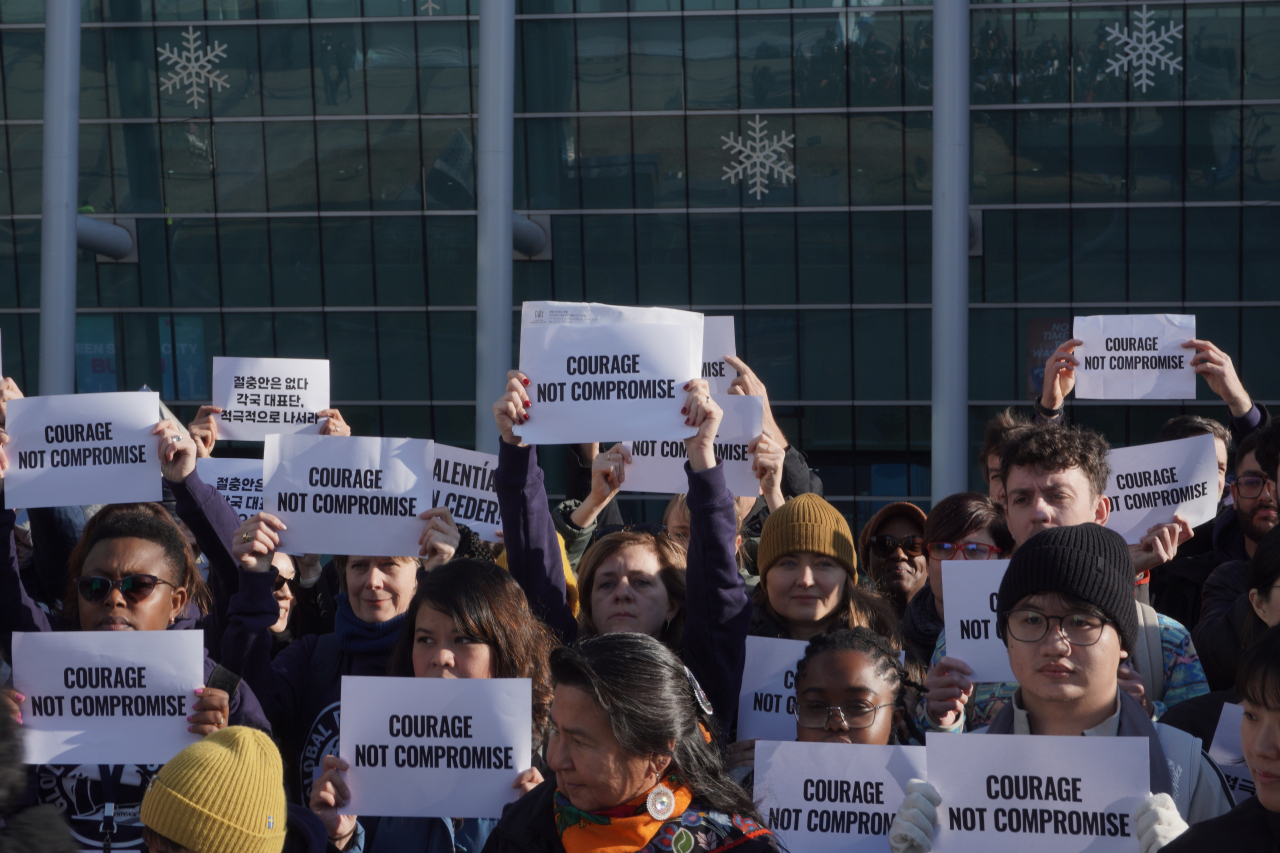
{"x":358,"y":637}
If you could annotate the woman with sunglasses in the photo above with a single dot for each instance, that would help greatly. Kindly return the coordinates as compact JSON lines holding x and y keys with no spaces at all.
{"x":469,"y":619}
{"x":891,"y":548}
{"x":1065,"y":611}
{"x":132,"y":570}
{"x":635,"y":580}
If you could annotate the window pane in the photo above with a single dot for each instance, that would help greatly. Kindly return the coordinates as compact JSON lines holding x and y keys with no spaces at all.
{"x":764,"y":50}
{"x":23,"y":73}
{"x":95,"y":170}
{"x":991,"y":68}
{"x":662,"y":259}
{"x":1261,"y":165}
{"x":1155,"y":154}
{"x":135,"y":163}
{"x":879,"y":271}
{"x":353,"y":363}
{"x":919,"y":344}
{"x":769,"y":341}
{"x":879,"y":354}
{"x":451,"y":260}
{"x":336,"y":52}
{"x":566,"y":264}
{"x":992,"y":369}
{"x":444,"y":67}
{"x":1261,"y":252}
{"x":548,"y":66}
{"x":603,"y":82}
{"x":605,"y":152}
{"x":609,"y":259}
{"x":453,"y":357}
{"x":286,"y":70}
{"x":715,"y":255}
{"x":919,"y":235}
{"x":919,"y":143}
{"x":1044,"y":263}
{"x":398,"y":262}
{"x":93,"y":74}
{"x":1099,"y":258}
{"x":917,"y":58}
{"x":826,"y":357}
{"x":395,"y":165}
{"x":240,"y":176}
{"x":302,"y":336}
{"x":1213,"y":52}
{"x":772,"y":187}
{"x":1213,"y":154}
{"x":403,"y":356}
{"x":711,"y":63}
{"x":820,"y":75}
{"x":242,"y":96}
{"x":8,"y":272}
{"x":295,"y":261}
{"x":1097,"y":154}
{"x":552,"y":153}
{"x":26,"y":163}
{"x":118,"y":284}
{"x":1155,"y":82}
{"x":291,"y":165}
{"x":1093,"y":82}
{"x":193,"y":262}
{"x":1043,"y":57}
{"x":769,"y":241}
{"x":182,"y":97}
{"x":1213,"y":253}
{"x":707,"y":158}
{"x":822,"y":160}
{"x":659,"y":161}
{"x":657,"y":66}
{"x":1155,"y":255}
{"x":348,"y":260}
{"x":1261,"y":51}
{"x":1043,"y":155}
{"x":823,"y":257}
{"x":342,"y":163}
{"x":391,"y":66}
{"x":991,"y":172}
{"x":1257,"y":352}
{"x":449,"y":159}
{"x":188,"y":166}
{"x":246,"y":262}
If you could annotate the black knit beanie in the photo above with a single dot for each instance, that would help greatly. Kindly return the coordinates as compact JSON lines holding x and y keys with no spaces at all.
{"x":1085,"y":560}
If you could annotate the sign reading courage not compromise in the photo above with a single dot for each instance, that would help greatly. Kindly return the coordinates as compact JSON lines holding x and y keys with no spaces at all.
{"x":603,"y":372}
{"x":1135,"y":357}
{"x":82,"y":449}
{"x":345,"y":495}
{"x":434,"y":747}
{"x":1011,"y":793}
{"x":99,"y":697}
{"x":1151,"y":483}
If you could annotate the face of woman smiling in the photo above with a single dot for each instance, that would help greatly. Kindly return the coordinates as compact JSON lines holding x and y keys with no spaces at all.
{"x":805,"y":589}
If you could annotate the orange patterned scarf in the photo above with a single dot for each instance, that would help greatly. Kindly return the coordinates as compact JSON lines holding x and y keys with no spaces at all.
{"x":621,"y":829}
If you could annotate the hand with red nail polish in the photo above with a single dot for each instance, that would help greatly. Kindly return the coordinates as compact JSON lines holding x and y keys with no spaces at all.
{"x":510,"y":409}
{"x":706,"y":416}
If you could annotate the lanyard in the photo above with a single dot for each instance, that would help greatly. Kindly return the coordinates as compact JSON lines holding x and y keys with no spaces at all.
{"x":110,"y":777}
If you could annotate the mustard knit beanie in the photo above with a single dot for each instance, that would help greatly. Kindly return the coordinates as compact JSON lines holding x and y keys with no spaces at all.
{"x":224,"y":794}
{"x":807,"y":523}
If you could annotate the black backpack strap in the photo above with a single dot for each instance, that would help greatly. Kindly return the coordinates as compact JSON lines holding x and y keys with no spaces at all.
{"x":223,"y":679}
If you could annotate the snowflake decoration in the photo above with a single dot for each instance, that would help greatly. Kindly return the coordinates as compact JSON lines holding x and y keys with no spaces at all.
{"x":193,"y":67}
{"x":758,"y":158}
{"x":430,"y":7}
{"x":1144,"y":48}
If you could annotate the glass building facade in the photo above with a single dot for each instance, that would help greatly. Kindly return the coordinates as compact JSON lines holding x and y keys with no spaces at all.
{"x":310,"y":194}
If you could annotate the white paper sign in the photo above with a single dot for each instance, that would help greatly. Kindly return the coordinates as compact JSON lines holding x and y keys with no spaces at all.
{"x":717,"y":342}
{"x":265,"y":396}
{"x":83,"y":449}
{"x":603,"y":372}
{"x":462,"y":482}
{"x":1135,"y":357}
{"x":347,"y":494}
{"x":658,"y":466}
{"x":833,"y":797}
{"x":969,"y":589}
{"x":1006,"y":793}
{"x":766,"y":705}
{"x":237,"y":480}
{"x":107,"y":697}
{"x":1151,"y":483}
{"x":434,"y":747}
{"x":1228,"y":753}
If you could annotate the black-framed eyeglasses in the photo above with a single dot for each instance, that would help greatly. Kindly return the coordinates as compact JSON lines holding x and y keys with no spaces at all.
{"x":883,"y":545}
{"x":1031,"y":626}
{"x":963,"y":551}
{"x":135,"y":588}
{"x":811,"y":714}
{"x":1253,"y":486}
{"x":652,"y":528}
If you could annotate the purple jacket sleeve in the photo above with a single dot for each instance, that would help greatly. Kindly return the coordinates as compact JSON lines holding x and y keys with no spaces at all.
{"x":717,"y":608}
{"x":1251,"y":421}
{"x":280,"y":685}
{"x":529,"y":534}
{"x":18,"y":612}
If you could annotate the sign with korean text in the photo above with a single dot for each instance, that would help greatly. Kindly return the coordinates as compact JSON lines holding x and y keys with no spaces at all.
{"x":237,"y":480}
{"x":266,"y":396}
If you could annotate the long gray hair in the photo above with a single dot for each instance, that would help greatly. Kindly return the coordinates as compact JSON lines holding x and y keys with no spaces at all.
{"x":650,"y":700}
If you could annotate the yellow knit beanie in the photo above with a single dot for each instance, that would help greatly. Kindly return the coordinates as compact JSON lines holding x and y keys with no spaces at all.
{"x":224,"y":794}
{"x":806,"y":523}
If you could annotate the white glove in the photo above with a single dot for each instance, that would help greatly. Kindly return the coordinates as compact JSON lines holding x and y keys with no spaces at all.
{"x":1158,"y":822}
{"x":913,"y":825}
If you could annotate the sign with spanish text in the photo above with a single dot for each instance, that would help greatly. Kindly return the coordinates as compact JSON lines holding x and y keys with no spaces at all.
{"x":267,"y":396}
{"x":347,"y":494}
{"x":834,"y":797}
{"x":970,"y":590}
{"x":767,"y":703}
{"x":1151,"y":483}
{"x":658,"y":466}
{"x":434,"y":747}
{"x":718,"y":341}
{"x":462,"y":482}
{"x":83,"y":449}
{"x":237,"y":480}
{"x":605,"y":372}
{"x":1228,"y":753}
{"x":1135,"y":357}
{"x":107,"y":697}
{"x":1002,"y":793}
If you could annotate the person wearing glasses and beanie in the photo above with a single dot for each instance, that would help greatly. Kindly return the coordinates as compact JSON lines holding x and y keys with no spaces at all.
{"x":637,"y":764}
{"x":132,"y":570}
{"x":1065,"y":610}
{"x":225,"y":795}
{"x":638,"y":579}
{"x":891,"y":548}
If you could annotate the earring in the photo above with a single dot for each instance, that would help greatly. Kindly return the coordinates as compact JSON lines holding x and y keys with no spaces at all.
{"x":661,"y":802}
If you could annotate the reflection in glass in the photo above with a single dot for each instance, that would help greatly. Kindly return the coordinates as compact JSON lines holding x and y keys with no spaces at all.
{"x":286,"y":70}
{"x":823,"y":258}
{"x":660,"y":172}
{"x":1043,"y":159}
{"x":188,"y":166}
{"x":444,"y":67}
{"x":342,"y":164}
{"x":347,"y":249}
{"x":875,"y":158}
{"x":715,"y":258}
{"x":822,"y":160}
{"x":819,"y":48}
{"x":239,"y":178}
{"x":1155,"y":254}
{"x":605,"y":162}
{"x":395,"y":165}
{"x":291,"y":165}
{"x":991,"y":62}
{"x":1261,"y":51}
{"x":1213,"y":52}
{"x":1261,"y":131}
{"x":1098,"y":155}
{"x":337,"y":51}
{"x":448,"y":163}
{"x":711,"y":63}
{"x":548,"y":76}
{"x":662,"y":259}
{"x":609,"y":259}
{"x":769,"y":262}
{"x":1213,"y":154}
{"x":295,"y":261}
{"x":657,"y":66}
{"x":1098,"y":263}
{"x":1155,"y":154}
{"x":390,"y":63}
{"x":764,"y":54}
{"x":1042,"y":57}
{"x":603,"y":82}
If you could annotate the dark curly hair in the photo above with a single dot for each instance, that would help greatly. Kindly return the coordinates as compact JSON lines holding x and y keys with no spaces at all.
{"x":648,"y":696}
{"x":1053,"y":447}
{"x":147,"y":521}
{"x":487,"y":605}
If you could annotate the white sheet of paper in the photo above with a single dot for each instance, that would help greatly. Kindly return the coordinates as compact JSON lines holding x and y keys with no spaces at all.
{"x":394,"y":476}
{"x":237,"y":480}
{"x":834,"y":797}
{"x":83,"y":449}
{"x":138,"y":717}
{"x":1135,"y":357}
{"x":1102,"y":780}
{"x":1151,"y":483}
{"x":265,"y":396}
{"x":462,"y":481}
{"x":577,"y":399}
{"x":658,"y":466}
{"x":969,"y":589}
{"x":1228,"y":753}
{"x":718,"y":341}
{"x":402,"y":767}
{"x":766,"y":705}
